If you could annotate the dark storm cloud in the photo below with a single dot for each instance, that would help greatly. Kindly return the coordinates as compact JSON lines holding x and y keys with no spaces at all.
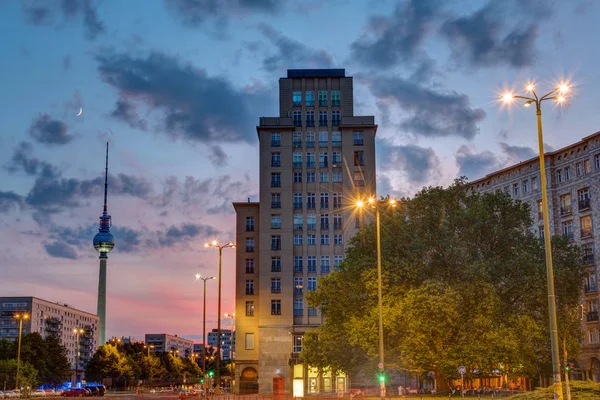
{"x":49,"y":131}
{"x":60,"y":250}
{"x":517,"y":153}
{"x":218,"y":157}
{"x":431,"y":112}
{"x":10,"y":200}
{"x":22,"y":159}
{"x":396,"y":38}
{"x":482,"y":40}
{"x":475,"y":165}
{"x":292,"y":53}
{"x":127,"y":239}
{"x":185,"y":233}
{"x":194,"y":13}
{"x":418,"y":163}
{"x":125,"y":111}
{"x":193,"y":104}
{"x":46,"y":13}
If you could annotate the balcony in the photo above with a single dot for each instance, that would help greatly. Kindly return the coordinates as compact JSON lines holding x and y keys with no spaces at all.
{"x":323,"y":164}
{"x":311,"y":205}
{"x":324,"y":206}
{"x":297,"y":104}
{"x":335,"y":103}
{"x":310,"y":103}
{"x":275,"y":204}
{"x":297,"y":143}
{"x":325,"y":226}
{"x":297,"y":206}
{"x":275,"y":121}
{"x":565,"y":210}
{"x":584,"y":204}
{"x":310,"y":144}
{"x":297,"y":269}
{"x":298,"y":290}
{"x":586,"y":233}
{"x":322,"y":103}
{"x":337,"y":227}
{"x":592,"y":316}
{"x":311,"y":227}
{"x":310,"y":123}
{"x":312,"y":268}
{"x":588,"y":259}
{"x":297,"y":164}
{"x":323,"y":143}
{"x":337,"y":204}
{"x":297,"y":227}
{"x":310,"y":164}
{"x":336,"y":143}
{"x":322,"y":122}
{"x":335,"y":122}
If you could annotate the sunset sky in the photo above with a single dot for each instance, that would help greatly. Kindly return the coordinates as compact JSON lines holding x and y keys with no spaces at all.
{"x":177,"y":88}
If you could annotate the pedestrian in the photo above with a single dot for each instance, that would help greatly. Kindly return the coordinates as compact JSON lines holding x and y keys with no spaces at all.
{"x":400,"y":390}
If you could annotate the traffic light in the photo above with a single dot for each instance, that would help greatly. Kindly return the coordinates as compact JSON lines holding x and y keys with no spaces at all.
{"x":569,"y":366}
{"x":381,"y":378}
{"x":211,"y":373}
{"x":202,"y":380}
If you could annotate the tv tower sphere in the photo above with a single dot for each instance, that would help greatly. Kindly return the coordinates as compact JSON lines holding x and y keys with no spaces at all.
{"x":104,"y":242}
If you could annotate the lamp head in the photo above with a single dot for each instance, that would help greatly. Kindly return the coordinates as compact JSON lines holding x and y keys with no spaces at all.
{"x":214,"y":243}
{"x":530,"y":87}
{"x":198,"y":276}
{"x":508,"y":97}
{"x":560,"y":98}
{"x":563,"y":88}
{"x":359,"y":203}
{"x":371,"y":200}
{"x":528,"y":103}
{"x":393,"y":202}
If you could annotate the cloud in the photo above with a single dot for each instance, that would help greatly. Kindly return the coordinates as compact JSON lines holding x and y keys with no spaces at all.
{"x":45,"y":14}
{"x":10,"y":200}
{"x":125,"y":111}
{"x":22,"y":160}
{"x":517,"y":153}
{"x":127,"y":239}
{"x":292,"y":52}
{"x":417,"y":163}
{"x":184,"y":233}
{"x":431,"y":112}
{"x":396,"y":39}
{"x":481,"y":40}
{"x":49,"y":131}
{"x":474,"y":165}
{"x":60,"y":250}
{"x":193,"y":105}
{"x":218,"y":156}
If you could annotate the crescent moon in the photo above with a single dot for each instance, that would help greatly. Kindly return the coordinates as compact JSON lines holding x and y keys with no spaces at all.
{"x":80,"y":111}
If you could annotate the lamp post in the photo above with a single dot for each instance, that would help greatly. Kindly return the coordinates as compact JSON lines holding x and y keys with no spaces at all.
{"x":200,"y":278}
{"x":148,"y":348}
{"x":376,"y":204}
{"x":558,"y":95}
{"x":216,"y":245}
{"x":232,"y":316}
{"x":77,"y":332}
{"x":21,"y":317}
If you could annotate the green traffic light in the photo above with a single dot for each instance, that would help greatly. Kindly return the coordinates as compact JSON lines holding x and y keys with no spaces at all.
{"x":381,"y":378}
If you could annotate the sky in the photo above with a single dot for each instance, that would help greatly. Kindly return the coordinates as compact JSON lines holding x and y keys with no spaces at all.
{"x":177,"y":88}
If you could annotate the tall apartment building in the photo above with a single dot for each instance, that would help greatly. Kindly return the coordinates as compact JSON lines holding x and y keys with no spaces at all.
{"x":52,"y":319}
{"x":227,"y":343}
{"x":165,"y":343}
{"x":312,"y":171}
{"x":573,"y":173}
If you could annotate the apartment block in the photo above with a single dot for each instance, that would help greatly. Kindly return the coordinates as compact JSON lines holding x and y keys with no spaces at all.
{"x":316,"y":159}
{"x":572,"y":174}
{"x":227,"y":343}
{"x":52,"y":319}
{"x":165,"y":343}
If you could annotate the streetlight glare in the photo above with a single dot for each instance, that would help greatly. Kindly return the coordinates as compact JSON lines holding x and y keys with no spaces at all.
{"x":560,"y":99}
{"x":198,"y":276}
{"x":214,"y":242}
{"x":508,"y":97}
{"x":563,"y":88}
{"x":206,"y":245}
{"x":530,"y":87}
{"x":359,"y":203}
{"x":371,"y":200}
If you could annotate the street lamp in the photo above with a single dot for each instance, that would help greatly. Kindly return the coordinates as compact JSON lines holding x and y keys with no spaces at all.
{"x":77,"y":332}
{"x":216,"y":245}
{"x":558,"y":95}
{"x":376,"y":204}
{"x":148,"y":348}
{"x":232,"y":316}
{"x":21,"y":317}
{"x":198,"y":278}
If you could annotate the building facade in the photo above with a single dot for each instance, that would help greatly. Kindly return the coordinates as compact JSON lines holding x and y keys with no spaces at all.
{"x":227,"y":343}
{"x":165,"y":343}
{"x":573,"y":173}
{"x":316,"y":159}
{"x":52,"y":319}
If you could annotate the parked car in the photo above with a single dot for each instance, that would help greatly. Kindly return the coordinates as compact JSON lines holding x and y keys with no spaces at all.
{"x":11,"y":394}
{"x":93,"y":390}
{"x":37,"y":393}
{"x":76,"y":393}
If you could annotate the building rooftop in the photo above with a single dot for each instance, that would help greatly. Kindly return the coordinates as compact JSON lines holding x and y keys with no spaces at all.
{"x":316,"y":73}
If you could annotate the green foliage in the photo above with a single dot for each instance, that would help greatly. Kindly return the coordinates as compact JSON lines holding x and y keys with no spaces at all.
{"x":463,"y":278}
{"x":108,"y":362}
{"x":580,"y":390}
{"x":8,"y":373}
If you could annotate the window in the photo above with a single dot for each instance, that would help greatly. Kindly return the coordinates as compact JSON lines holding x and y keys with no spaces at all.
{"x":275,"y":179}
{"x":359,"y":158}
{"x":559,"y":178}
{"x":325,"y":222}
{"x":359,"y":179}
{"x":322,"y":98}
{"x":312,"y":263}
{"x":297,"y":99}
{"x":275,"y":307}
{"x":586,"y":226}
{"x":249,"y":245}
{"x":310,"y":139}
{"x":337,"y":261}
{"x":297,"y":177}
{"x":323,"y":159}
{"x":310,"y":160}
{"x":275,"y":200}
{"x":597,"y":161}
{"x":541,"y":232}
{"x":297,"y":240}
{"x":337,"y":239}
{"x":250,"y":286}
{"x":325,"y":239}
{"x":298,"y":223}
{"x":358,"y":139}
{"x":297,"y":159}
{"x":275,"y":285}
{"x":540,"y":209}
{"x":336,"y":158}
{"x":324,"y":197}
{"x":335,"y":98}
{"x":586,"y":166}
{"x":310,"y":118}
{"x":565,"y":204}
{"x":534,"y":183}
{"x":336,"y":176}
{"x":588,"y":253}
{"x":275,"y":221}
{"x":336,"y":139}
{"x":310,"y":177}
{"x":337,"y":222}
{"x":275,"y":264}
{"x":322,"y":118}
{"x":249,"y":265}
{"x":515,"y":189}
{"x":298,"y":284}
{"x":297,"y":201}
{"x":312,"y":283}
{"x":249,"y":341}
{"x":298,"y":263}
{"x":275,"y":139}
{"x":297,"y":139}
{"x":337,"y":200}
{"x":584,"y":198}
{"x":323,"y":177}
{"x":311,"y":201}
{"x":324,"y":264}
{"x":323,"y":139}
{"x":249,"y":224}
{"x":310,"y":98}
{"x":312,"y":312}
{"x":298,"y":308}
{"x":335,"y":118}
{"x":297,"y":118}
{"x":567,"y":228}
{"x":311,"y":239}
{"x":249,"y":309}
{"x":590,"y":284}
{"x":567,"y":173}
{"x":525,"y":187}
{"x":579,"y":169}
{"x":276,"y":242}
{"x":311,"y":222}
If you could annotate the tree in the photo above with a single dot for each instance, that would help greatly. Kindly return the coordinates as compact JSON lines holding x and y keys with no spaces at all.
{"x":58,"y":367}
{"x":8,"y":373}
{"x":108,"y":362}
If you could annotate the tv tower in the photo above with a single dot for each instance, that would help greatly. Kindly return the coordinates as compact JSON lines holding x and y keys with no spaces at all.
{"x":104,"y":242}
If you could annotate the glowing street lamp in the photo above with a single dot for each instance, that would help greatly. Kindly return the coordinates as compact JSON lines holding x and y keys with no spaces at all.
{"x":216,"y":245}
{"x":21,"y":317}
{"x":148,"y":348}
{"x":200,"y":278}
{"x":558,"y":95}
{"x":77,"y":332}
{"x":376,"y":204}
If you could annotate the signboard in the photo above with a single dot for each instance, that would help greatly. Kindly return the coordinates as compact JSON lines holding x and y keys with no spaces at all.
{"x":462,"y":370}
